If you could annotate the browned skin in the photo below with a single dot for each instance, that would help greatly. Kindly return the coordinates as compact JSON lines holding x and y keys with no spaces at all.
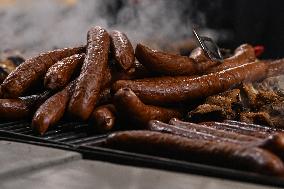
{"x":103,"y":118}
{"x":59,"y":74}
{"x":243,"y":54}
{"x":253,"y":159}
{"x":122,"y":49}
{"x":128,"y":104}
{"x":185,"y":88}
{"x":21,"y":108}
{"x":199,"y":56}
{"x":92,"y":74}
{"x":169,"y":64}
{"x":52,"y":110}
{"x":32,"y":70}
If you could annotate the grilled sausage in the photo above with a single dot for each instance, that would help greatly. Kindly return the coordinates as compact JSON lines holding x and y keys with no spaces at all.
{"x":59,"y":74}
{"x":122,"y":49}
{"x":253,"y":127}
{"x":184,"y":88}
{"x":273,"y":141}
{"x":131,"y":107}
{"x":155,"y":125}
{"x":32,"y":70}
{"x":103,"y":118}
{"x":199,"y":56}
{"x":89,"y":83}
{"x":169,"y":64}
{"x":232,"y":155}
{"x":21,"y":108}
{"x":236,"y":129}
{"x":212,"y":131}
{"x":243,"y":54}
{"x":52,"y":110}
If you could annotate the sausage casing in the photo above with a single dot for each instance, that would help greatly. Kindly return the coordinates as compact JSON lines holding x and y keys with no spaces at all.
{"x":89,"y":83}
{"x":52,"y":110}
{"x":169,"y":64}
{"x":122,"y":49}
{"x":59,"y":74}
{"x":103,"y":118}
{"x":186,"y":88}
{"x":232,"y":155}
{"x":32,"y":70}
{"x":131,"y":107}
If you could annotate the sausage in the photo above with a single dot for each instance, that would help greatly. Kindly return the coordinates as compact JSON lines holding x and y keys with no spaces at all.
{"x":186,"y":88}
{"x":254,"y":127}
{"x":236,"y":129}
{"x":52,"y":110}
{"x":21,"y":108}
{"x":131,"y":107}
{"x":59,"y":74}
{"x":273,"y":141}
{"x":243,"y":54}
{"x":232,"y":155}
{"x":169,"y":64}
{"x":122,"y":50}
{"x":103,"y":118}
{"x":212,"y":131}
{"x":32,"y":70}
{"x":155,"y":125}
{"x":89,"y":83}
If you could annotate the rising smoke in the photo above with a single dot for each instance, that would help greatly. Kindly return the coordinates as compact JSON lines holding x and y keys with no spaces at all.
{"x":39,"y":25}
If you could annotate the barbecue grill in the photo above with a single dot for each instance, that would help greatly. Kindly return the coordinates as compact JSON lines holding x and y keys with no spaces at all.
{"x":76,"y":136}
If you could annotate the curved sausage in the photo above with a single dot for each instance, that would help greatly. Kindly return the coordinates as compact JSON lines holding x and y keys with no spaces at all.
{"x":232,"y":155}
{"x":243,"y":54}
{"x":21,"y":108}
{"x":32,"y":70}
{"x":89,"y":83}
{"x":131,"y":107}
{"x":103,"y":118}
{"x":186,"y":88}
{"x":52,"y":110}
{"x":169,"y":64}
{"x":122,"y":49}
{"x":59,"y":74}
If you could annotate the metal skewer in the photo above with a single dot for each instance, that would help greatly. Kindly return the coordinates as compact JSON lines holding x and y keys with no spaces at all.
{"x":213,"y":51}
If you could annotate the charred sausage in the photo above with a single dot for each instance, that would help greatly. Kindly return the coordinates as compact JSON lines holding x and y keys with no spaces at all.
{"x":185,"y":88}
{"x":103,"y":118}
{"x":255,"y":159}
{"x":128,"y":104}
{"x":169,"y":64}
{"x":122,"y":50}
{"x":59,"y":74}
{"x":89,"y":83}
{"x":32,"y":70}
{"x":52,"y":110}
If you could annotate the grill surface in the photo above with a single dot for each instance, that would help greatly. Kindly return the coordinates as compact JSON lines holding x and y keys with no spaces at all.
{"x":76,"y":136}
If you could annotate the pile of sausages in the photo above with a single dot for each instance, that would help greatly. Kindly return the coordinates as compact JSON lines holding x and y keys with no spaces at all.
{"x":112,"y":86}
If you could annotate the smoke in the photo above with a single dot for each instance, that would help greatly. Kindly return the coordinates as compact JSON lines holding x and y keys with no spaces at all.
{"x":39,"y":25}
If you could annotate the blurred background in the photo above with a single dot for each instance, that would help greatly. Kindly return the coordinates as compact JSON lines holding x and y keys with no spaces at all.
{"x":32,"y":26}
